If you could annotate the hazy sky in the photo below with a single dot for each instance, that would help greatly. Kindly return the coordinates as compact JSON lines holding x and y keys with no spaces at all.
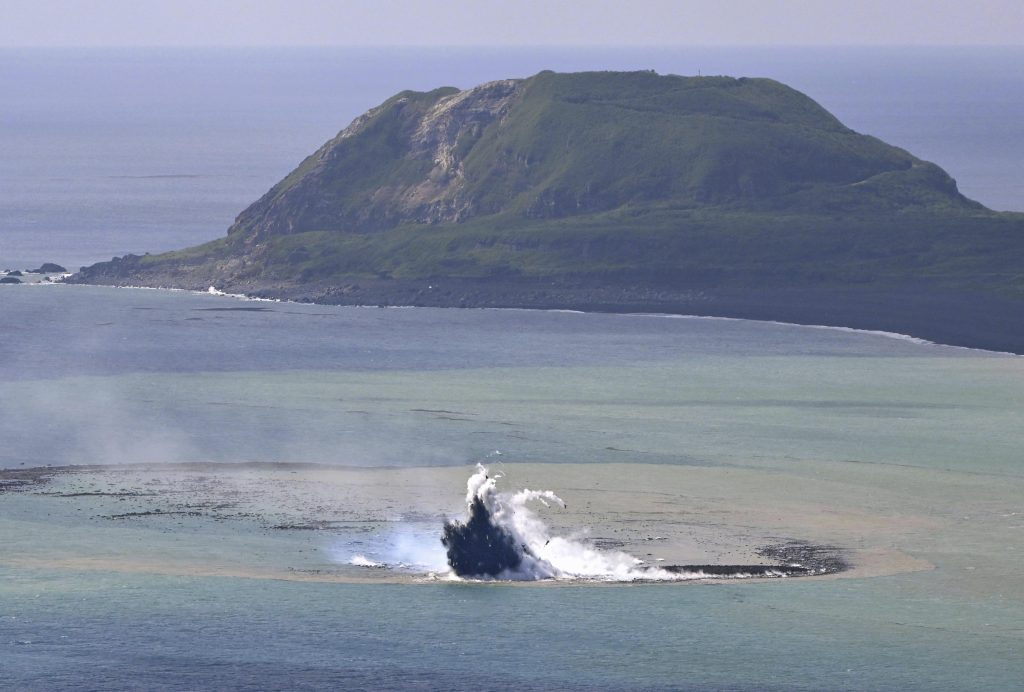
{"x":512,"y":22}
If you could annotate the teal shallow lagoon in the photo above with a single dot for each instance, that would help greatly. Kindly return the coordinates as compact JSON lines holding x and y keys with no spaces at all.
{"x":907,"y":455}
{"x":220,"y":633}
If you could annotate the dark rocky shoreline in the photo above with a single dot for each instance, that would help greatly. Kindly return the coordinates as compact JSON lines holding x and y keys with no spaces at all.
{"x":968,"y":318}
{"x":956,"y":318}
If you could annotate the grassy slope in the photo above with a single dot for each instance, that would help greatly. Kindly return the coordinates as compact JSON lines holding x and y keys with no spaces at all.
{"x":628,"y":178}
{"x":674,"y":248}
{"x":594,"y":142}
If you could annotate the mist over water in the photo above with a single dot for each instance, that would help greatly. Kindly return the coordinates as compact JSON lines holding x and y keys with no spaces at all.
{"x":129,"y":376}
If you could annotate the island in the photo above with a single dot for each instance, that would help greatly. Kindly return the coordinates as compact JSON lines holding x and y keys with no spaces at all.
{"x":625,"y":192}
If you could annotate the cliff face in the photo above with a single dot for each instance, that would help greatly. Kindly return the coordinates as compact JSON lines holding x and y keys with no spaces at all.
{"x":401,"y":162}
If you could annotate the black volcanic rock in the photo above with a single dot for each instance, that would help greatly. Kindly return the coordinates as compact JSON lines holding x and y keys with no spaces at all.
{"x":480,"y":547}
{"x":49,"y":268}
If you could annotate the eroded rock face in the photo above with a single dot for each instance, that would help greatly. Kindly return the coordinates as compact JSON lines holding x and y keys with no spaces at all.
{"x":463,"y":113}
{"x":444,"y":134}
{"x":416,"y":144}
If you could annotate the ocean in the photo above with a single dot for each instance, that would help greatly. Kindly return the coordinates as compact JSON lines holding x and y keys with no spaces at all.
{"x":273,"y":477}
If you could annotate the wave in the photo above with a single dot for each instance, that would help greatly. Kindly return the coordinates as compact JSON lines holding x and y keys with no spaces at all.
{"x":213,"y":291}
{"x":849,"y":330}
{"x":363,"y":561}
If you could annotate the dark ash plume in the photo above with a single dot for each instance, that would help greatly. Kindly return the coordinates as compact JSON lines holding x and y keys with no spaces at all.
{"x":480,"y":547}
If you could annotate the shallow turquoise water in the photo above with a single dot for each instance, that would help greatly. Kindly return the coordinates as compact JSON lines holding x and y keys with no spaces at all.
{"x":112,"y":632}
{"x":926,"y":437}
{"x":95,"y":375}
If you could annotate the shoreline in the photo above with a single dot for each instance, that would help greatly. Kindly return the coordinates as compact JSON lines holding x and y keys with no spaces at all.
{"x":732,"y":307}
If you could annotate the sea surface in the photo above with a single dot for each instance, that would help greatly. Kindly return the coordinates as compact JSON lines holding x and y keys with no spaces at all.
{"x":882,"y":444}
{"x":870,"y":442}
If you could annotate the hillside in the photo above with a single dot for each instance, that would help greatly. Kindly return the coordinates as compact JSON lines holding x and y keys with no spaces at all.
{"x":611,"y":191}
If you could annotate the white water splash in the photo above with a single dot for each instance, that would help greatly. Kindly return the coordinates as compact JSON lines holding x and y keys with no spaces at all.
{"x":544,"y":555}
{"x":363,"y":561}
{"x":547,"y":556}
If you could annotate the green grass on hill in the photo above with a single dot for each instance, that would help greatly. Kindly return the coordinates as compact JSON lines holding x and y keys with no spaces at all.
{"x":622,"y":178}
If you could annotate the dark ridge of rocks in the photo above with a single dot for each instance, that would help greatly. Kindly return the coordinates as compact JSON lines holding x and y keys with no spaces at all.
{"x":816,"y":559}
{"x":154,"y":513}
{"x":316,"y":525}
{"x":793,"y":559}
{"x":608,"y":543}
{"x":737,"y":571}
{"x":127,"y":493}
{"x":15,"y":480}
{"x":48,"y":268}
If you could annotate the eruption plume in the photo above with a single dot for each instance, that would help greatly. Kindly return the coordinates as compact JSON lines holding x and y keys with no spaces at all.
{"x":503,"y":539}
{"x":501,"y":536}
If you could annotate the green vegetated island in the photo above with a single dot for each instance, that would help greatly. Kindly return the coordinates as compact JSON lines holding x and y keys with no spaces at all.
{"x":621,"y":192}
